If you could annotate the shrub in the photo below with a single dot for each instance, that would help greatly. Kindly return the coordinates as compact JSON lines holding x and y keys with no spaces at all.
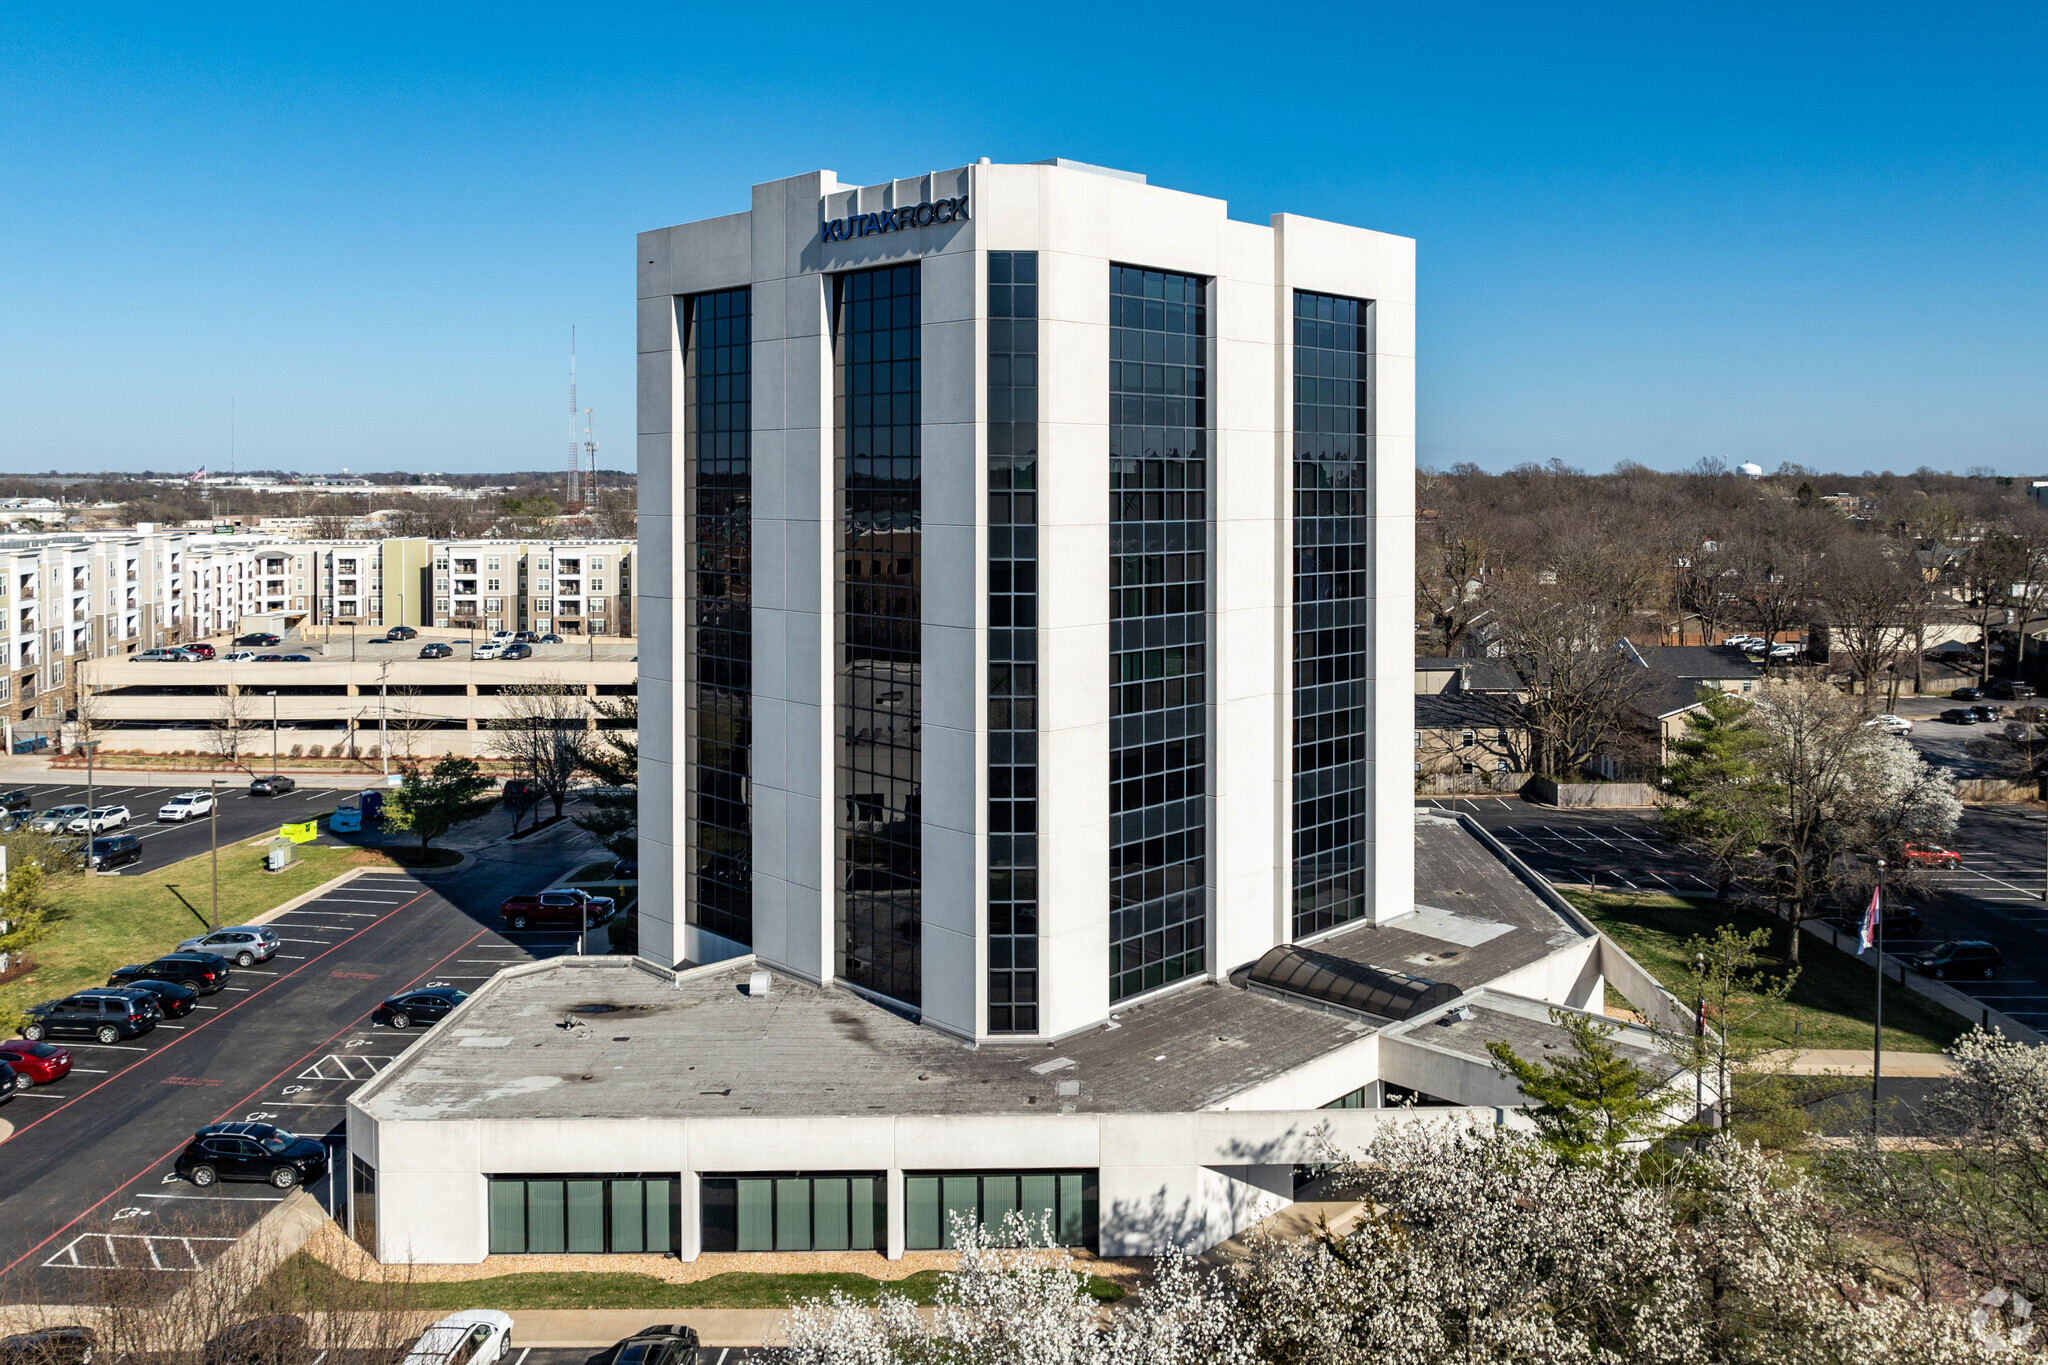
{"x":315,"y":751}
{"x":296,"y":751}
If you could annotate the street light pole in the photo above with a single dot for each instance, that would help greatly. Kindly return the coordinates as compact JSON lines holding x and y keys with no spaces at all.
{"x":273,"y":734}
{"x":1877,"y":1036}
{"x":88,"y":746}
{"x":213,"y":831}
{"x":383,"y":712}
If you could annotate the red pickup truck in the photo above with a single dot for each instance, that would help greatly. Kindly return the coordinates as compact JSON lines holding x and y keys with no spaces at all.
{"x":556,"y":909}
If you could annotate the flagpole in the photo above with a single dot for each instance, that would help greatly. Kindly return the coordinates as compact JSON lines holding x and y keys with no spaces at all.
{"x":1877,"y":1037}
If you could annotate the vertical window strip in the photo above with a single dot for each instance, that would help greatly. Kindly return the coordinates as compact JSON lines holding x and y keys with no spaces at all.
{"x":1013,"y":642}
{"x":877,"y":416}
{"x":1332,"y":434}
{"x":1159,"y":542}
{"x":717,"y":425}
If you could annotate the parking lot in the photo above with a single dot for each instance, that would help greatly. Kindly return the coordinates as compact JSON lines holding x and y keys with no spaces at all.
{"x":1995,"y":895}
{"x":87,"y":1178}
{"x":242,"y":816}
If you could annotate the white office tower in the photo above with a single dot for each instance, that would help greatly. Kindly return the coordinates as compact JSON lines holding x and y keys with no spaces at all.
{"x":1026,"y":606}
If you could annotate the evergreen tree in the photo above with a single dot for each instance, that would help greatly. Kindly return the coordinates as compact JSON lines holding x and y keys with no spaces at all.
{"x":1591,"y":1102}
{"x":1724,"y":804}
{"x":431,"y":804}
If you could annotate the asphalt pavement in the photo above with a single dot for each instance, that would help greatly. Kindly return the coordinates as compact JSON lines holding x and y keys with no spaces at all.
{"x":86,"y":1180}
{"x":1996,"y":894}
{"x":242,"y":817}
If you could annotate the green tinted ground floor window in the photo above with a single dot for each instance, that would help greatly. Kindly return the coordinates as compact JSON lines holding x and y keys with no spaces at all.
{"x":932,"y":1201}
{"x":591,"y":1214}
{"x":795,"y":1211}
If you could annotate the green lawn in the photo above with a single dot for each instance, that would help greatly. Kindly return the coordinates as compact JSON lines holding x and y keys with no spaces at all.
{"x":109,"y":922}
{"x":1834,"y":1000}
{"x":621,"y":1289}
{"x":594,"y":872}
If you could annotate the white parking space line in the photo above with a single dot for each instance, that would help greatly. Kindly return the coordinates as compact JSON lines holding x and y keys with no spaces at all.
{"x":217,"y":1198}
{"x":91,"y":1070}
{"x":109,"y":1047}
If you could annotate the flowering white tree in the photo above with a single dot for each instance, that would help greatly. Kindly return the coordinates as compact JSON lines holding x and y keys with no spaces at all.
{"x":1016,"y":1299}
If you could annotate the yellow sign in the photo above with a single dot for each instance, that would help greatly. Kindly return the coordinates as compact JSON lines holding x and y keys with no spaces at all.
{"x":301,"y":834}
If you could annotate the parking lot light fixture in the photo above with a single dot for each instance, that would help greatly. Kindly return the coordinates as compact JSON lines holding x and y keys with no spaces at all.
{"x":213,"y":832}
{"x":273,"y":734}
{"x":88,"y":745}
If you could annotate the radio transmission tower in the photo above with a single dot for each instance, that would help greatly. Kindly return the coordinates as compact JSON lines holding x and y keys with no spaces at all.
{"x":574,"y":495}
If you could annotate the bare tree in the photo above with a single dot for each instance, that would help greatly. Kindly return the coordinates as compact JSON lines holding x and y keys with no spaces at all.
{"x":1778,"y":566}
{"x":545,"y":730}
{"x":1869,"y":589}
{"x":231,"y":716}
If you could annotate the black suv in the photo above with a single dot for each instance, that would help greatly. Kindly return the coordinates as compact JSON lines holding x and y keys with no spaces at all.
{"x":278,"y":1339}
{"x":1960,"y":957}
{"x":108,"y":1016}
{"x":272,"y":786}
{"x":114,"y":851}
{"x":251,"y":1151}
{"x":203,"y":972}
{"x":173,"y":999}
{"x":429,"y":1006}
{"x":673,"y":1344}
{"x":2010,"y":689}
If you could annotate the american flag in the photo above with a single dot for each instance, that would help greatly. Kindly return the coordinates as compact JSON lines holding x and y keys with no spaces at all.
{"x":197,"y":475}
{"x":1868,"y":938}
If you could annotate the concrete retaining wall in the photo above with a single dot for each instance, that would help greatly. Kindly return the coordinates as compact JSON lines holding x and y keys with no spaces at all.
{"x":1587,"y":795}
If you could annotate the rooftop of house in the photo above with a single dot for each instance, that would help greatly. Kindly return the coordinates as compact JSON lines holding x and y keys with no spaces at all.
{"x":1485,"y":675}
{"x":1698,"y":661}
{"x":575,"y":1037}
{"x":1467,"y":710}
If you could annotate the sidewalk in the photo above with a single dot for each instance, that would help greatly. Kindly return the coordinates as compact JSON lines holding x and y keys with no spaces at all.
{"x":1823,"y":1061}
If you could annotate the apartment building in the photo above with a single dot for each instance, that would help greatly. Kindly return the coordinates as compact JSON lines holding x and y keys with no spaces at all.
{"x":564,"y":587}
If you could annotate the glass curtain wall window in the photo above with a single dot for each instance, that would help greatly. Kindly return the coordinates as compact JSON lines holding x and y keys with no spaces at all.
{"x":1012,"y":641}
{"x":1332,"y":453}
{"x":934,"y":1202}
{"x":718,"y":462}
{"x":1158,"y":460}
{"x":795,"y":1212}
{"x":876,"y":417}
{"x":583,"y":1214}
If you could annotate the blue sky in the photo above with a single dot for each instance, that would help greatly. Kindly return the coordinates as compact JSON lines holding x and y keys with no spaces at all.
{"x":1815,"y":233}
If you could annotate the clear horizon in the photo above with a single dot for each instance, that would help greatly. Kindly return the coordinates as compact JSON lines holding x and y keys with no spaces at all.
{"x":1811,"y":236}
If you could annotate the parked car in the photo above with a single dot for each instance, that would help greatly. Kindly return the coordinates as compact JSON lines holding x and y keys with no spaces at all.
{"x":13,"y":820}
{"x":99,"y":820}
{"x":186,"y":806}
{"x":295,"y":658}
{"x":272,"y":786}
{"x":16,"y":801}
{"x":164,"y":656}
{"x":269,"y":658}
{"x":274,"y":1339}
{"x":70,"y":1345}
{"x":515,"y":650}
{"x":1900,"y":921}
{"x":1744,"y":641}
{"x":1958,"y":715}
{"x":489,"y":649}
{"x":35,"y":1063}
{"x":475,"y":1336}
{"x":673,"y":1344}
{"x":553,"y":639}
{"x":257,"y":640}
{"x":105,"y":1015}
{"x":557,"y":908}
{"x":1966,"y":694}
{"x":1986,"y":713}
{"x":116,"y":850}
{"x":1930,"y":855}
{"x":203,"y":972}
{"x":57,"y":819}
{"x":1891,"y":724}
{"x":429,"y":1006}
{"x":437,"y":650}
{"x":251,"y":1151}
{"x":521,"y":792}
{"x":1785,"y":651}
{"x":203,"y":652}
{"x":627,"y":869}
{"x":501,"y":636}
{"x":1960,"y":957}
{"x":245,"y":945}
{"x":171,"y":999}
{"x":240,"y":656}
{"x":9,"y":1081}
{"x":2033,"y":715}
{"x":400,"y":633}
{"x":2010,"y":689}
{"x":527,"y":637}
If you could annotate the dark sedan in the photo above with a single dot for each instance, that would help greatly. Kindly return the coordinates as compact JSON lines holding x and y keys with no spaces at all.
{"x":16,"y":800}
{"x":1957,"y":715}
{"x":423,"y":1007}
{"x":251,"y":1151}
{"x":257,"y":641}
{"x":398,"y":633}
{"x":673,"y":1344}
{"x":175,"y":999}
{"x":203,"y":972}
{"x":437,"y":650}
{"x":1966,"y":694}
